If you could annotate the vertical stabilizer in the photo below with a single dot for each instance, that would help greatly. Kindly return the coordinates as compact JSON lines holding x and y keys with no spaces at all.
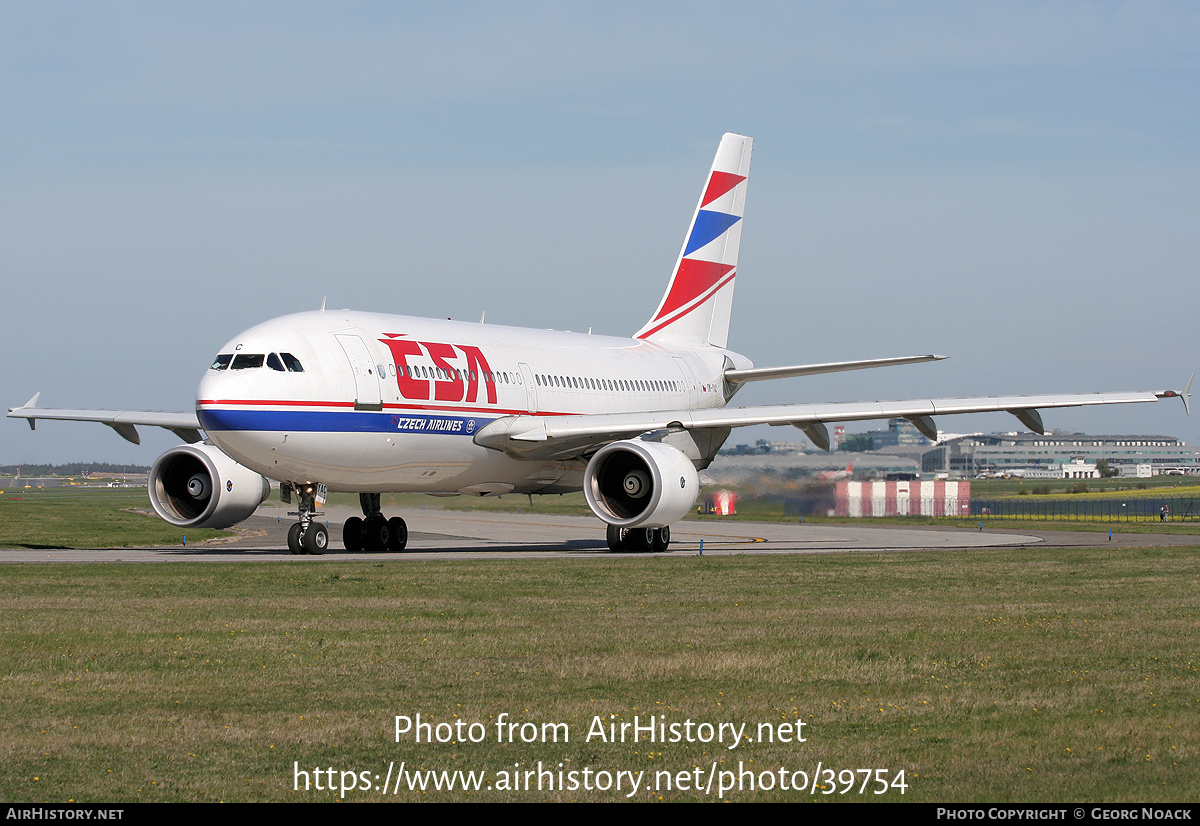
{"x":699,"y":297}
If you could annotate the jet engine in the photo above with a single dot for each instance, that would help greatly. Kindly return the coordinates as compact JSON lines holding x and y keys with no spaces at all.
{"x":640,"y":484}
{"x":198,"y":486}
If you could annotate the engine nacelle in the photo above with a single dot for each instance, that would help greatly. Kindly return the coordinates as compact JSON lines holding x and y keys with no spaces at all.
{"x":633,"y":484}
{"x":198,"y":486}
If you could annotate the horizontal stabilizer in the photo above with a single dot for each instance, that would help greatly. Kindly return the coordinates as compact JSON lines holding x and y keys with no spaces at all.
{"x":764,"y":373}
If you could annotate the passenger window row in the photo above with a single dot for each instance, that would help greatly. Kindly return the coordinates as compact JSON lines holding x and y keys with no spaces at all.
{"x":419,"y":371}
{"x":616,"y":385}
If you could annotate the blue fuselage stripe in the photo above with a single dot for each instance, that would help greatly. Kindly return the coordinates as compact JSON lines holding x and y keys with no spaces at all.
{"x":339,"y":421}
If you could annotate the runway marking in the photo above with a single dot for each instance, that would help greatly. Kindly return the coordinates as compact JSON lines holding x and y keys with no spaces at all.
{"x":739,"y":540}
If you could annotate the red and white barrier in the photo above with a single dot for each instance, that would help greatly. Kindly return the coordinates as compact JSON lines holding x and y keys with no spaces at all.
{"x":935,"y":498}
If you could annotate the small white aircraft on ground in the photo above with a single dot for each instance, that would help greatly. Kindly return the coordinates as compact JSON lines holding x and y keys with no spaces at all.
{"x":369,"y":403}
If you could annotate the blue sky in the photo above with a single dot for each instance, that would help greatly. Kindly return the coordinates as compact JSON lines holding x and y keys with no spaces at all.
{"x":1013,"y":185}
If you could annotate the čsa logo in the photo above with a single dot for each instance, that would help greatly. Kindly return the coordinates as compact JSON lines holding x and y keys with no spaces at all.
{"x":460,"y":370}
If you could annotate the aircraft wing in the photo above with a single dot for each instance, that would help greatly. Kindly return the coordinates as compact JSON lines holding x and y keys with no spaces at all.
{"x":564,"y":436}
{"x":184,"y":425}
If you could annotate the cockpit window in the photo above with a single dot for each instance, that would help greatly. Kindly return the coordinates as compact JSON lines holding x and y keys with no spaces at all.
{"x":283,"y":362}
{"x":246,"y":361}
{"x":293,"y":363}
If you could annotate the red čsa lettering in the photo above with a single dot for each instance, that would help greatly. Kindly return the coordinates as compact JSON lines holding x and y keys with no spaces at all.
{"x":449,"y":389}
{"x":410,"y":388}
{"x":458,"y":384}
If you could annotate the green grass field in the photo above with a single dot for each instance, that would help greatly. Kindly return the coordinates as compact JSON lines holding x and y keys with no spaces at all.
{"x":72,"y":517}
{"x":1009,"y":675}
{"x":1155,"y":485}
{"x":106,"y":517}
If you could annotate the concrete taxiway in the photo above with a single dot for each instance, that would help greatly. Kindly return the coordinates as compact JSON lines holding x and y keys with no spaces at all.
{"x":444,"y":534}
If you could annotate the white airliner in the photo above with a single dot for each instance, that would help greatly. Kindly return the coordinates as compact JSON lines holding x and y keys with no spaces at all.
{"x":369,"y":403}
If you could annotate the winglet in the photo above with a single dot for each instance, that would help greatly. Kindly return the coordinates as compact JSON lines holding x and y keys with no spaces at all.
{"x":31,"y":403}
{"x":1184,"y":395}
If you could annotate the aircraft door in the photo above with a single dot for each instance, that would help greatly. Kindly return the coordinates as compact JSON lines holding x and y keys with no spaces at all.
{"x":689,"y":381}
{"x":530,"y":388}
{"x":366,"y":383}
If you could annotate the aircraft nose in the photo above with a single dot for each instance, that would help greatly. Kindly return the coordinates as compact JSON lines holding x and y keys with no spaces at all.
{"x":218,"y":385}
{"x":210,"y":384}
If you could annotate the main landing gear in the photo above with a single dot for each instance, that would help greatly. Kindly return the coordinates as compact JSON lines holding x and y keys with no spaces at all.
{"x":374,"y":533}
{"x":638,"y":540}
{"x":307,"y":536}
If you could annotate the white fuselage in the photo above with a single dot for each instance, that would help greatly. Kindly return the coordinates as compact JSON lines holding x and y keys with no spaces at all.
{"x":392,"y":403}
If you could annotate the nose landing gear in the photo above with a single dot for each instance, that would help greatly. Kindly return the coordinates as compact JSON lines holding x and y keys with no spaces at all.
{"x":306,"y":536}
{"x":314,"y":540}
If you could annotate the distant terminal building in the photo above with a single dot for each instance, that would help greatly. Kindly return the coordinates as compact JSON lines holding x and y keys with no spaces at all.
{"x":763,"y":447}
{"x":1059,"y":456}
{"x":899,"y":433}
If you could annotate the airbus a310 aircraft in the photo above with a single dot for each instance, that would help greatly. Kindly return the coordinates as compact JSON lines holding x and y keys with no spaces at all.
{"x":369,"y":403}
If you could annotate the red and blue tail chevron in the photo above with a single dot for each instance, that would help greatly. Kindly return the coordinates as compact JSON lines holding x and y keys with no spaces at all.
{"x":699,"y":297}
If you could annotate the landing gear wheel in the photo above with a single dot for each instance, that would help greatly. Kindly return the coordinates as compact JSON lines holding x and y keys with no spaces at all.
{"x":397,"y":534}
{"x":376,"y":535}
{"x":307,"y":536}
{"x":640,"y":540}
{"x":353,"y":535}
{"x":316,"y":539}
{"x":294,"y":544}
{"x":616,"y":539}
{"x":662,"y":539}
